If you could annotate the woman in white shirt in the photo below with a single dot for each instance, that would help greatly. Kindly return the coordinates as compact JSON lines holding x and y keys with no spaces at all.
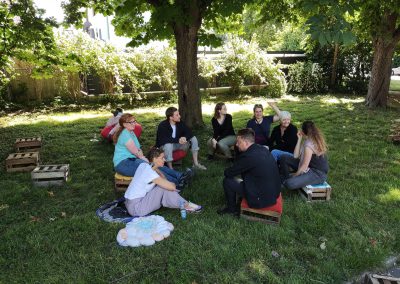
{"x":150,"y":190}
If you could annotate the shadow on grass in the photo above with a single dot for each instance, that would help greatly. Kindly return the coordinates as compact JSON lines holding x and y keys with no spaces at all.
{"x":52,"y":234}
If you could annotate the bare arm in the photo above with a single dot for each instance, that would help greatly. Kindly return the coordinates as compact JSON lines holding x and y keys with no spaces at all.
{"x":276,"y":109}
{"x":130,"y":145}
{"x":296,"y":152}
{"x":306,"y":161}
{"x":166,"y":184}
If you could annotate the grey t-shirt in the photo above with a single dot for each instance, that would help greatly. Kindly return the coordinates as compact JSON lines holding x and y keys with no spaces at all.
{"x":318,"y":160}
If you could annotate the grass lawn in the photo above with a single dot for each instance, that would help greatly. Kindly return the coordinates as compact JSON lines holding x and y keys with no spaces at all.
{"x":395,"y":85}
{"x":52,"y":235}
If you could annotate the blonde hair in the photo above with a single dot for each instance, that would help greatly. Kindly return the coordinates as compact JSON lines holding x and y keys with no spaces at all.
{"x":123,"y":119}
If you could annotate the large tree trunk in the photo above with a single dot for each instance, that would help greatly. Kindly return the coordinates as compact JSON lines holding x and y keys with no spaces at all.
{"x":187,"y":72}
{"x":384,"y":45}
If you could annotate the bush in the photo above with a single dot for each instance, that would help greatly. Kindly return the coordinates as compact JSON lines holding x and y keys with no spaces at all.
{"x":306,"y":77}
{"x":156,"y":68}
{"x":243,"y":63}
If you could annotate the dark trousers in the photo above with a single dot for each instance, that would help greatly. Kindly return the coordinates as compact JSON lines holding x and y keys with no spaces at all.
{"x":233,"y":189}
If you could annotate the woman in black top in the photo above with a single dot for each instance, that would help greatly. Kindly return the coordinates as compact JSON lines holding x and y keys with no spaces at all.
{"x":283,"y":138}
{"x":224,"y":135}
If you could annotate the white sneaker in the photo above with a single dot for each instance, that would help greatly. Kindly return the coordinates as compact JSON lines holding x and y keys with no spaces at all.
{"x":199,"y":167}
{"x":193,"y":208}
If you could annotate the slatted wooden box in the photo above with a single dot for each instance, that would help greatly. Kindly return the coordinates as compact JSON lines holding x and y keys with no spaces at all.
{"x":22,"y":162}
{"x":28,"y":144}
{"x":316,"y":192}
{"x":45,"y":175}
{"x":265,"y":216}
{"x":380,"y":279}
{"x":269,"y":215}
{"x":121,"y":182}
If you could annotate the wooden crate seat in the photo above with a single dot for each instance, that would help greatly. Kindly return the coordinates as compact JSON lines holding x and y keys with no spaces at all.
{"x":316,"y":192}
{"x":45,"y":175}
{"x":121,"y":182}
{"x":28,"y":144}
{"x":22,"y":162}
{"x":270,"y":214}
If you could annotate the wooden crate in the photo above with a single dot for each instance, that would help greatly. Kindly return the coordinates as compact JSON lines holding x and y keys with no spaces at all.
{"x":316,"y":192}
{"x":28,"y":144}
{"x":46,"y":175}
{"x":265,"y":216}
{"x":380,"y":279}
{"x":121,"y":182}
{"x":22,"y":162}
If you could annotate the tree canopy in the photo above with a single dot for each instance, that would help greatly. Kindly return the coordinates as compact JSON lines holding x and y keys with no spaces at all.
{"x":189,"y":23}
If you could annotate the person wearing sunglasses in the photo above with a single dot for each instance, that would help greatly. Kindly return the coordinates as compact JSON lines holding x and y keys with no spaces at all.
{"x":128,"y":154}
{"x":261,"y":124}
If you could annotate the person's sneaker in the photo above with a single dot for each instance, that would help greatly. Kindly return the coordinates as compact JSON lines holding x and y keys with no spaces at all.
{"x":199,"y":167}
{"x":210,"y":157}
{"x":193,"y":208}
{"x":226,"y":210}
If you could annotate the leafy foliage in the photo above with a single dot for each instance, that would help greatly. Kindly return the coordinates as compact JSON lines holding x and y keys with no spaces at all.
{"x":244,"y":63}
{"x":306,"y":77}
{"x":22,"y":31}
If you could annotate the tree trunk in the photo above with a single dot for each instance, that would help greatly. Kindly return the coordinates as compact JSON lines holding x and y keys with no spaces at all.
{"x":187,"y":72}
{"x":384,"y":45}
{"x":378,"y":87}
{"x":334,"y":66}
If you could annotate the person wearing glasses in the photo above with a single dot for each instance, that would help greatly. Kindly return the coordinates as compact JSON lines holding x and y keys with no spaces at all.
{"x":173,"y":134}
{"x":224,"y":135}
{"x":261,"y":124}
{"x":149,"y":190}
{"x":112,"y":126}
{"x":128,"y":154}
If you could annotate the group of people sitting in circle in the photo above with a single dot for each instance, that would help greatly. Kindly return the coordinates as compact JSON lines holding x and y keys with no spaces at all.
{"x":265,"y":163}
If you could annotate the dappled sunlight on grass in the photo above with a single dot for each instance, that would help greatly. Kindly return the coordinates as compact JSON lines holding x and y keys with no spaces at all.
{"x":393,"y":195}
{"x":335,"y":100}
{"x":32,"y":119}
{"x":258,"y":266}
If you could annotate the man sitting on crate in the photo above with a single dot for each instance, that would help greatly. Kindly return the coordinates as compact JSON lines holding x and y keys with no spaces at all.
{"x":260,"y":181}
{"x":173,"y":134}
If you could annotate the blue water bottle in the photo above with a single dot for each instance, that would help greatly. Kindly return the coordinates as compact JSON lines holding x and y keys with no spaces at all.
{"x":183,"y":210}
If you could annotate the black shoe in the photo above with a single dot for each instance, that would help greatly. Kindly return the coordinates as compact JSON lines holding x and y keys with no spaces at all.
{"x":186,"y":177}
{"x":210,"y":157}
{"x":226,"y":210}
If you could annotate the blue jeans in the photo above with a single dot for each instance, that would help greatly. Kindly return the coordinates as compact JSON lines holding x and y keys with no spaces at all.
{"x":129,"y":166}
{"x":313,"y":176}
{"x":278,"y":153}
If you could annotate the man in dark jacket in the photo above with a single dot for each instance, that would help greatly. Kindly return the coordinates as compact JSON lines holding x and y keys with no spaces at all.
{"x":173,"y":134}
{"x":260,"y":183}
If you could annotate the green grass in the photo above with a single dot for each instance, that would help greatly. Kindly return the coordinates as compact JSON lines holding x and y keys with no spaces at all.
{"x":359,"y":226}
{"x":395,"y":85}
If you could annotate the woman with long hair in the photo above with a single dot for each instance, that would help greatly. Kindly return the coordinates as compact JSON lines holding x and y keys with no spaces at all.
{"x":309,"y":159}
{"x":128,"y":154}
{"x":224,"y":134}
{"x":149,"y":190}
